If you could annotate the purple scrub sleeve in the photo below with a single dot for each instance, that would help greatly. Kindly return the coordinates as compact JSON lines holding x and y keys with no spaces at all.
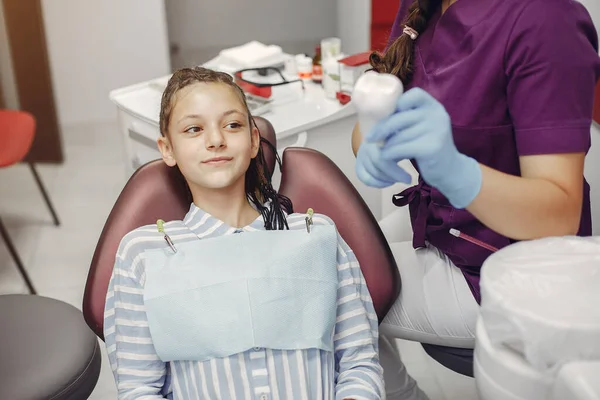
{"x":552,"y":68}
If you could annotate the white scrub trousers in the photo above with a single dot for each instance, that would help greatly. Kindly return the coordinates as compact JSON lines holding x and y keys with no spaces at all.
{"x":435,"y":305}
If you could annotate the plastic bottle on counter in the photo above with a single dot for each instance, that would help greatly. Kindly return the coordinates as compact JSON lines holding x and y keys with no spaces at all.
{"x":331,"y":76}
{"x":331,"y":47}
{"x":304,"y":67}
{"x":317,"y":71}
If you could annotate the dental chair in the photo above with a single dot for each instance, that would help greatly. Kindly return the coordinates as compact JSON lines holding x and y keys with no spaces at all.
{"x":309,"y":179}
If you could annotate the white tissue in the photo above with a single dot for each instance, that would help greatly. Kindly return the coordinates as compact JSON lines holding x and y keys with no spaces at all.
{"x":542,"y":299}
{"x":252,"y":54}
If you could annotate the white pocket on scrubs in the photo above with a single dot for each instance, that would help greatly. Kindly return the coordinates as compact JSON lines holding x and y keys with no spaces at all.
{"x":222,"y":296}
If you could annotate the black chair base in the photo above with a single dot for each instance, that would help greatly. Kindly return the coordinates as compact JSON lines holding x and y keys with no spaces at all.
{"x":455,"y":359}
{"x":17,"y":259}
{"x":42,"y":188}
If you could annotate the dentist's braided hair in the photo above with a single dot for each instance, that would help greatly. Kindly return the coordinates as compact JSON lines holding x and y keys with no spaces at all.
{"x":259,"y":190}
{"x":398,"y":58}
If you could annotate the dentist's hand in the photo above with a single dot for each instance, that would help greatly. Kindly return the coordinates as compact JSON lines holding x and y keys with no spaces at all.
{"x":420,"y":129}
{"x":375,"y":171}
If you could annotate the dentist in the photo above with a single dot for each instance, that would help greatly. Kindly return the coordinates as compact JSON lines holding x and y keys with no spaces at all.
{"x":497,"y":121}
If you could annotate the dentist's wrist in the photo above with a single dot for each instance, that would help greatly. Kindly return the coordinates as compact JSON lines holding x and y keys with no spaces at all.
{"x":463,"y":182}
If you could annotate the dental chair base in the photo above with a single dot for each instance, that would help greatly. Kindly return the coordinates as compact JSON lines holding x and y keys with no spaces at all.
{"x":455,"y":359}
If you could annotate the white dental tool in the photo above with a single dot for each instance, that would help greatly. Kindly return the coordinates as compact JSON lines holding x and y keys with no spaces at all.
{"x":374,"y":97}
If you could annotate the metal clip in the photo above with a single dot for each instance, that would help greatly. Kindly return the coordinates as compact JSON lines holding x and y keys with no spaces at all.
{"x":308,"y":219}
{"x":161,"y":228}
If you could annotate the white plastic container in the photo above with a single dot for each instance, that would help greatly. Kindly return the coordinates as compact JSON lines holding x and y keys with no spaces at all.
{"x":331,"y":76}
{"x":304,"y":67}
{"x":331,"y":47}
{"x":538,"y":335}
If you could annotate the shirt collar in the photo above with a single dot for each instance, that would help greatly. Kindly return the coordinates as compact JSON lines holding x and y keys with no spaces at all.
{"x":464,"y":14}
{"x":204,"y":224}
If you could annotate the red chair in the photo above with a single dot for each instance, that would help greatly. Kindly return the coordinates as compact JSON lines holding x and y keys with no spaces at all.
{"x":17,"y":130}
{"x":310,"y":180}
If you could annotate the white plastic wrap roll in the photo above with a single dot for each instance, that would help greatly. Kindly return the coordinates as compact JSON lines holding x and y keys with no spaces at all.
{"x":542,"y":299}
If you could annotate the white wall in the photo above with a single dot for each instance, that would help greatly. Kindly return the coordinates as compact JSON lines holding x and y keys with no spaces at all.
{"x":593,"y":7}
{"x":592,"y":174}
{"x":7,"y":78}
{"x":97,"y":46}
{"x":592,"y":167}
{"x":196,"y":24}
{"x":354,"y":25}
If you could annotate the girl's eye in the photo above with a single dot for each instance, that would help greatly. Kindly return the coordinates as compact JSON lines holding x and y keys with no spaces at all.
{"x":234,"y":125}
{"x":192,"y":129}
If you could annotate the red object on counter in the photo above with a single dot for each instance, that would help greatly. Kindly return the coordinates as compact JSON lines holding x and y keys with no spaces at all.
{"x":596,"y":114}
{"x":256,"y":90}
{"x":356,"y":60}
{"x":343,"y":97}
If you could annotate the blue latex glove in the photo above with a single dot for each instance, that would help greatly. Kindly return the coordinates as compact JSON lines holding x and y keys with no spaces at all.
{"x":375,"y":171}
{"x":420,"y":129}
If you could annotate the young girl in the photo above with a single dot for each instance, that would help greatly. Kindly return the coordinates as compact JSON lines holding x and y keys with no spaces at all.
{"x":209,"y":314}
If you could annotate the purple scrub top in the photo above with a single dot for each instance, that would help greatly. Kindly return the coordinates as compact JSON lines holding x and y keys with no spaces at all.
{"x":517,"y":78}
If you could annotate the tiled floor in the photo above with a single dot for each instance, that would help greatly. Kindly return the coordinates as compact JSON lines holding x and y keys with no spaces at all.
{"x":83,"y":190}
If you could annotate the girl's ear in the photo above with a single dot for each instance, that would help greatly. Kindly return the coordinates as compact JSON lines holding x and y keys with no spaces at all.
{"x":166,"y":149}
{"x":255,"y":137}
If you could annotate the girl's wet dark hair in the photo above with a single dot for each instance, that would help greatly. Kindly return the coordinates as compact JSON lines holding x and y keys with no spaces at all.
{"x":259,"y":190}
{"x":399,"y":57}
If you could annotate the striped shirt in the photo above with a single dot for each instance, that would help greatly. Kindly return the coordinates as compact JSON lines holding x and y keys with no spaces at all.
{"x":351,"y":371}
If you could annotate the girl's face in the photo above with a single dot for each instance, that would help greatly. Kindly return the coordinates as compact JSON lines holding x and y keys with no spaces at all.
{"x":209,"y":137}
